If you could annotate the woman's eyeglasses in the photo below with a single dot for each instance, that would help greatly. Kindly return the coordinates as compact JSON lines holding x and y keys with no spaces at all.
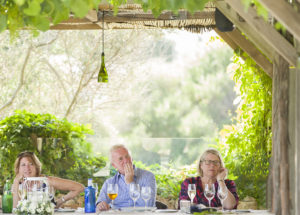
{"x":215,"y":163}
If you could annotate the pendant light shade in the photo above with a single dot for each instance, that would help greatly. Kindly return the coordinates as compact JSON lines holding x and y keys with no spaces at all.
{"x":102,"y":75}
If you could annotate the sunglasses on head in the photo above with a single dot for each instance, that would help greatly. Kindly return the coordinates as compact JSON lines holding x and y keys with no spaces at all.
{"x":25,"y":153}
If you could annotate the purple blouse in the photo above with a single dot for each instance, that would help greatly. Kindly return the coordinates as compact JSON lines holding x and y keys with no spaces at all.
{"x":200,"y":198}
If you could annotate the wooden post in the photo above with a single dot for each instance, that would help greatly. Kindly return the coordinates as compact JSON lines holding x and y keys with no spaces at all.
{"x":297,"y":134}
{"x":281,"y":197}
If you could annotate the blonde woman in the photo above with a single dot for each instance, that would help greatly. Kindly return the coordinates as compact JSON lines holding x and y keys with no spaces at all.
{"x":211,"y":171}
{"x":28,"y":165}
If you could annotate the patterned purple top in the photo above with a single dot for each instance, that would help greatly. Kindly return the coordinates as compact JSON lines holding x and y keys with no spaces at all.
{"x":200,"y":198}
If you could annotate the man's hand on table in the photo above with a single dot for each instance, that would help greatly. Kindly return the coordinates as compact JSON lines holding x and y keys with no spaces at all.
{"x":102,"y":206}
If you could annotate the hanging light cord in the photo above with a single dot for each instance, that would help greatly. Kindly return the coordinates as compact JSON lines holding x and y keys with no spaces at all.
{"x":103,"y":32}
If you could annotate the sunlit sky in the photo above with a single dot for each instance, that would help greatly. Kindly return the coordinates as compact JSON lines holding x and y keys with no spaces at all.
{"x":189,"y":48}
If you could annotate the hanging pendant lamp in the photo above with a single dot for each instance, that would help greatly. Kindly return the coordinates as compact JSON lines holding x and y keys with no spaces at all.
{"x":102,"y":75}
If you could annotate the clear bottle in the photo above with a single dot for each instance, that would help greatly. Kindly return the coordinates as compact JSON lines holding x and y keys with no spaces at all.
{"x":89,"y":198}
{"x":7,"y":198}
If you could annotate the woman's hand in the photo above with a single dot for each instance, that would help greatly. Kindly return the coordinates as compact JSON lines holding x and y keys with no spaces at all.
{"x":222,"y":174}
{"x":19,"y":178}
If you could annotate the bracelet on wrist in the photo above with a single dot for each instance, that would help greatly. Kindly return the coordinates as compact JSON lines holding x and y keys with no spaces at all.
{"x":221,"y":180}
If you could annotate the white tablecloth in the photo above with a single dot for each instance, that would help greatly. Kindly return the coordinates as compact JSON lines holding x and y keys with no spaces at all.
{"x":240,"y":212}
{"x":251,"y":212}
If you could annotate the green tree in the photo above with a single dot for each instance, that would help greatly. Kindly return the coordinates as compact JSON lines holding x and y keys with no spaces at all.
{"x":246,"y":144}
{"x":64,"y":151}
{"x":186,"y":111}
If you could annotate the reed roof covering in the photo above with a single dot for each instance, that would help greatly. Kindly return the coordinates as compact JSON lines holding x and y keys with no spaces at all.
{"x":132,"y":16}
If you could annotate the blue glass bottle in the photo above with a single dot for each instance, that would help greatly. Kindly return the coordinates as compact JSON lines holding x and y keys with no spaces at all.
{"x":89,"y":198}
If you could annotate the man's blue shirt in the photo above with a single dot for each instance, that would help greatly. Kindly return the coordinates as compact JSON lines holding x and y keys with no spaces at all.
{"x":141,"y":177}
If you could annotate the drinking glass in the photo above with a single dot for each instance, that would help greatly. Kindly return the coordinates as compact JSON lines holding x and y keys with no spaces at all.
{"x":95,"y":185}
{"x":146,"y":194}
{"x":222,"y":194}
{"x":209,"y":192}
{"x":112,"y":192}
{"x":51,"y":192}
{"x":192,"y":191}
{"x":22,"y":191}
{"x":185,"y":206}
{"x":134,"y":192}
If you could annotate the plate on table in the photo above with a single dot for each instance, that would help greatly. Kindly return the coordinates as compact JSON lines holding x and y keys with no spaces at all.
{"x":166,"y":211}
{"x":138,"y":209}
{"x":240,"y":211}
{"x":64,"y":210}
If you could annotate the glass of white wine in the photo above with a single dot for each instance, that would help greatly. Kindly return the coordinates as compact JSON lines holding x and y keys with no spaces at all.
{"x":209,"y":192}
{"x":192,"y":191}
{"x":112,"y":192}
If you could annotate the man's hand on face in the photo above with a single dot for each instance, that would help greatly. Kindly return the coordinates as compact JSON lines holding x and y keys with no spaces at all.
{"x":129,"y":172}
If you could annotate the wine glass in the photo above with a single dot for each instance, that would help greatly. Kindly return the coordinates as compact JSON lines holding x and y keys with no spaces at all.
{"x":192,"y":191}
{"x":22,"y":190}
{"x":134,"y":191}
{"x":51,"y":193}
{"x":222,"y":194}
{"x":146,"y":194}
{"x":112,"y":192}
{"x":95,"y":185}
{"x":209,"y":192}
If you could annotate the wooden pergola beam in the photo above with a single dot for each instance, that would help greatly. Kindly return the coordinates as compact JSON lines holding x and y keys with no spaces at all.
{"x":252,"y":51}
{"x":137,"y":17}
{"x":227,"y":39}
{"x":285,"y":13}
{"x":266,"y":31}
{"x":76,"y":26}
{"x":239,"y":22}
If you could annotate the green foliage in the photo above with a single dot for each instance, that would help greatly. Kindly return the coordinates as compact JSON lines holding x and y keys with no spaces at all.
{"x":39,"y":14}
{"x":246,"y":144}
{"x":169,"y":179}
{"x":65,"y":152}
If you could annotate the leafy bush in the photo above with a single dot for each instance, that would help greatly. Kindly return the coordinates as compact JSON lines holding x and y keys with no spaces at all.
{"x":246,"y":145}
{"x":65,"y":152}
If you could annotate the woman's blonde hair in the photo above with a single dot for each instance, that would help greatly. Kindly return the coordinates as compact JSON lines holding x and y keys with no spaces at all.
{"x":34,"y":159}
{"x":203,"y":156}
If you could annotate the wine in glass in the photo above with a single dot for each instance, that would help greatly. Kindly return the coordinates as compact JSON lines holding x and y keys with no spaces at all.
{"x":222,"y":194}
{"x":146,"y":194}
{"x":134,"y":192}
{"x":112,"y":192}
{"x":209,"y":192}
{"x":192,"y":191}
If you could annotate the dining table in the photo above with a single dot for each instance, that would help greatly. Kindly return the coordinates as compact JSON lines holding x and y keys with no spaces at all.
{"x":156,"y":212}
